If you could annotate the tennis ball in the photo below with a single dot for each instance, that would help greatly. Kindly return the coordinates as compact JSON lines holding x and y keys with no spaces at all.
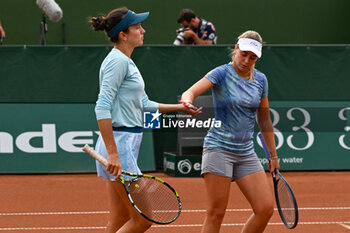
{"x":137,"y":186}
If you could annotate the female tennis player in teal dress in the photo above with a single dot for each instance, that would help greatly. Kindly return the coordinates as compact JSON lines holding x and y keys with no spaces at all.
{"x":240,"y":97}
{"x":119,"y":111}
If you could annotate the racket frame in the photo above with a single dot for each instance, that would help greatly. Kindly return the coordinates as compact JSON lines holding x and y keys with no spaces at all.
{"x":275,"y":184}
{"x":279,"y":208}
{"x":89,"y":150}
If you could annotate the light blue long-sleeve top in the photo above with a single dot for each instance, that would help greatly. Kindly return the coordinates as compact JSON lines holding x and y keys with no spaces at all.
{"x":122,"y":96}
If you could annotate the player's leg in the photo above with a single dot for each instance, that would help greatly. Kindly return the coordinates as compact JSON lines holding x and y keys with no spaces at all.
{"x":119,"y":212}
{"x":130,"y":145}
{"x":218,"y":189}
{"x":217,"y":172}
{"x":257,"y":190}
{"x":123,"y":217}
{"x":136,"y":224}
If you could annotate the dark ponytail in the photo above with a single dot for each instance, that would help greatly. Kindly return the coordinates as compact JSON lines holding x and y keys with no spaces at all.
{"x":98,"y":23}
{"x":106,"y":23}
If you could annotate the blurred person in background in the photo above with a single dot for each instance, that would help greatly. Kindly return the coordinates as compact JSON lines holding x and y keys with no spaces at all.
{"x":195,"y":30}
{"x":2,"y":33}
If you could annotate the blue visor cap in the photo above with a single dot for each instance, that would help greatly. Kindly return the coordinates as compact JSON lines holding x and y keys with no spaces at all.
{"x":131,"y":18}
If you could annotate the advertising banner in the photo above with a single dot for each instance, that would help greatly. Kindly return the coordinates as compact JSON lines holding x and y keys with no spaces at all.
{"x":47,"y":138}
{"x":310,"y":135}
{"x":182,"y":166}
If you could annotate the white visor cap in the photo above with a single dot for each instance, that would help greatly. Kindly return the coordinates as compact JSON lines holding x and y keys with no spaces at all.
{"x":246,"y":44}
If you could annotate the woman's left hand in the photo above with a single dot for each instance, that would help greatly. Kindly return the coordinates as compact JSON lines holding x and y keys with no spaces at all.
{"x":188,"y":104}
{"x":190,"y":109}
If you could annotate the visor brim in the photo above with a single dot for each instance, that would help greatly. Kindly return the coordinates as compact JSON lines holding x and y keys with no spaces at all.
{"x":251,"y":49}
{"x":139,"y":18}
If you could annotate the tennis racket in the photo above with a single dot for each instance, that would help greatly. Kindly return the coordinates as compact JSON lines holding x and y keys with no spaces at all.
{"x":152,"y":197}
{"x":286,"y":203}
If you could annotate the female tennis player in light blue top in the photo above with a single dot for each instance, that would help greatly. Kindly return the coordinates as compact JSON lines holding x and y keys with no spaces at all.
{"x":240,"y":97}
{"x":119,"y":111}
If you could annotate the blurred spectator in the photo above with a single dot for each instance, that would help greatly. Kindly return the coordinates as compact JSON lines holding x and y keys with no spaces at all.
{"x":2,"y":33}
{"x":195,"y":30}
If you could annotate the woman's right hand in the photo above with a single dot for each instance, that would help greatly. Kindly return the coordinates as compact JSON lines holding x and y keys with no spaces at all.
{"x":274,"y":164}
{"x":114,"y":166}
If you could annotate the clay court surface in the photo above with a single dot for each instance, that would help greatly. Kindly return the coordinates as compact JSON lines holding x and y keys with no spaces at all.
{"x":76,"y":203}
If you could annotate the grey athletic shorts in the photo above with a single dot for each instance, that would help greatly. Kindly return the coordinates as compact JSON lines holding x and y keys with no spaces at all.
{"x":224,"y":163}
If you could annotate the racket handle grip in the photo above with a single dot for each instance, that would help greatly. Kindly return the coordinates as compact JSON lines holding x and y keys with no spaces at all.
{"x":90,"y":151}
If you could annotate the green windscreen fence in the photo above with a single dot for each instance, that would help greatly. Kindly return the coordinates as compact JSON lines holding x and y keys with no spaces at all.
{"x":47,"y":96}
{"x":69,"y":74}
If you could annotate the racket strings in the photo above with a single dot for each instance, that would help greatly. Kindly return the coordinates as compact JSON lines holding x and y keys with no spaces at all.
{"x":286,"y":203}
{"x":155,"y":199}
